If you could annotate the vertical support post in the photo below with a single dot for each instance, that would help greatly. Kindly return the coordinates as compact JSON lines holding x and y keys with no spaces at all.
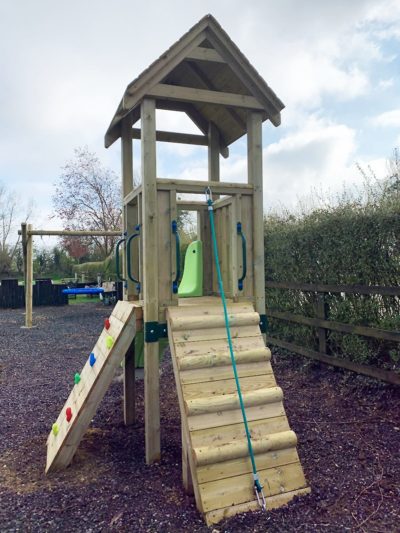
{"x":205,"y":236}
{"x":127,"y":187}
{"x":186,"y":471}
{"x":173,"y":215}
{"x":255,"y":177}
{"x":322,"y":314}
{"x":233,"y":237}
{"x":29,"y":277}
{"x":150,"y":278}
{"x":129,"y":289}
{"x":213,"y":154}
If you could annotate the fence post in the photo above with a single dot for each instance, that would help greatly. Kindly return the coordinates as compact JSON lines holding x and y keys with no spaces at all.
{"x":321,"y":311}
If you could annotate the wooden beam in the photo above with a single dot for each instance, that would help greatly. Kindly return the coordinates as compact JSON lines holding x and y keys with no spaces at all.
{"x":385,"y":375}
{"x":320,"y":287}
{"x":255,"y":178}
{"x":150,"y":278}
{"x":188,"y":94}
{"x":213,"y":153}
{"x":199,"y":187}
{"x":72,"y":233}
{"x":365,"y":331}
{"x":129,"y":386}
{"x":172,"y":137}
{"x":205,"y":54}
{"x":191,"y":205}
{"x":195,"y":116}
{"x":29,"y":277}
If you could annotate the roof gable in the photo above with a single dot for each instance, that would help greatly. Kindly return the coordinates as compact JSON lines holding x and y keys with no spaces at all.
{"x":207,"y":60}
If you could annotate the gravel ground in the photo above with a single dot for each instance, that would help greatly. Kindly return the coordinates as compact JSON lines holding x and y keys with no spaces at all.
{"x":348,"y":429}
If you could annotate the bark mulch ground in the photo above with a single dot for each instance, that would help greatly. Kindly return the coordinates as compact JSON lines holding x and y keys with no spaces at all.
{"x":348,"y":429}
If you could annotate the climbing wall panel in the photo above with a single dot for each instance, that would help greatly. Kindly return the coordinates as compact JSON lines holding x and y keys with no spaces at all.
{"x":90,"y":386}
{"x":212,"y":423}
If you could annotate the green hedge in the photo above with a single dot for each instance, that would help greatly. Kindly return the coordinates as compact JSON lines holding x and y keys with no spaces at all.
{"x":356,"y":242}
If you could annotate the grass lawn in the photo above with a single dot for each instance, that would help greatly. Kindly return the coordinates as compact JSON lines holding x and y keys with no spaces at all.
{"x":83,"y":298}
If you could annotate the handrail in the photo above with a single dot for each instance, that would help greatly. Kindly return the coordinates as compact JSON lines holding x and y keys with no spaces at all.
{"x":244,"y":256}
{"x":174,"y":226}
{"x":128,"y":258}
{"x":117,"y":265}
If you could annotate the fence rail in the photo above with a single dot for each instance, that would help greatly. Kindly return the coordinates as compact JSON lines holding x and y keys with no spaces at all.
{"x":323,"y":325}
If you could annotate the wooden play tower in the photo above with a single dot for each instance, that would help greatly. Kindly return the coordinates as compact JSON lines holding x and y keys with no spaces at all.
{"x":207,"y":77}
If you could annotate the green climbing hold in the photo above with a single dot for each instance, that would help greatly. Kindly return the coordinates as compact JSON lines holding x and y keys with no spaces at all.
{"x":109,"y":341}
{"x":54,"y":429}
{"x":77,"y":378}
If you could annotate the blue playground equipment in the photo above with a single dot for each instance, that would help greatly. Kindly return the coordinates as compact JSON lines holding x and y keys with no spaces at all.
{"x":85,"y":290}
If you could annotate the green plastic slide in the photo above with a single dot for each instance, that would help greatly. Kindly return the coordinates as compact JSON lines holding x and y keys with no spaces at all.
{"x":192,"y":279}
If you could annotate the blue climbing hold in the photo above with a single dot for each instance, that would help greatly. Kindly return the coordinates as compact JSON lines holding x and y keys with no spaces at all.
{"x":92,"y":359}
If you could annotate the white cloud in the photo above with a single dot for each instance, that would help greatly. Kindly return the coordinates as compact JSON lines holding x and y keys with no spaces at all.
{"x":318,"y":155}
{"x":388,"y":118}
{"x":386,"y":84}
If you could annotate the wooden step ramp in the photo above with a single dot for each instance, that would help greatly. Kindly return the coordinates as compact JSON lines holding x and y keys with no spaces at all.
{"x":215,"y":452}
{"x":95,"y":379}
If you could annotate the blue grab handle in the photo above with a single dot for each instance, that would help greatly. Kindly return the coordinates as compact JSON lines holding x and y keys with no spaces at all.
{"x":244,"y":256}
{"x":174,"y":226}
{"x":128,"y":259}
{"x":117,"y":263}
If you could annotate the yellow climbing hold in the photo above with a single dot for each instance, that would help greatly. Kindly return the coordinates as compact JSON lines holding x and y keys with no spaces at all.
{"x":54,"y":428}
{"x":109,"y":341}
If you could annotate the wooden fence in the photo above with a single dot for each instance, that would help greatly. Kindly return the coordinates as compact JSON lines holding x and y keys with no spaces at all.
{"x":322,"y":324}
{"x":12,"y":295}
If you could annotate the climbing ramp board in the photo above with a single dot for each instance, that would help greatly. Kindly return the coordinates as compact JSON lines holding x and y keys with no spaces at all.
{"x":212,"y":424}
{"x":95,"y":379}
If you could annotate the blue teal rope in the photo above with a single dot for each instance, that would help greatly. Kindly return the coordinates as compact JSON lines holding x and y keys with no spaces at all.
{"x":232,"y":355}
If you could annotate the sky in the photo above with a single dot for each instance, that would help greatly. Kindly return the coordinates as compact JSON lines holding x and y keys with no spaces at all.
{"x":65,"y":65}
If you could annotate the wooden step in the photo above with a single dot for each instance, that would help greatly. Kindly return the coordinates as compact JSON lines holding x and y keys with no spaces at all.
{"x":192,"y":362}
{"x":235,"y":450}
{"x":184,"y":323}
{"x":229,"y":402}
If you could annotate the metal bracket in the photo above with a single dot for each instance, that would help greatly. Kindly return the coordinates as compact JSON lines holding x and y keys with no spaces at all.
{"x":263,"y":323}
{"x":154,"y":331}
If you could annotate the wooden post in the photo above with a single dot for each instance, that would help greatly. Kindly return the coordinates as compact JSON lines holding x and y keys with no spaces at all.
{"x":213,"y":153}
{"x":29,"y":278}
{"x":150,"y":279}
{"x":23,"y":242}
{"x":322,"y":314}
{"x":129,"y":289}
{"x":255,"y":177}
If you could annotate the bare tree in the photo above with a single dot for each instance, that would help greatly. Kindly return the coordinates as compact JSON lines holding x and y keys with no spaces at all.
{"x":88,"y":197}
{"x":9,"y":239}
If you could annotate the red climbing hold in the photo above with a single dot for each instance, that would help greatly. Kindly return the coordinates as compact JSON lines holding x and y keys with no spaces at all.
{"x":68,"y":413}
{"x":107,"y":323}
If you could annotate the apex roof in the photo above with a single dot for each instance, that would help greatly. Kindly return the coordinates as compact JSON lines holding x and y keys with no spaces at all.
{"x":205,"y":75}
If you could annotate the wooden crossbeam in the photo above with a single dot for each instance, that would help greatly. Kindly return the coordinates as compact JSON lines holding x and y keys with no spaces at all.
{"x":188,"y":94}
{"x":173,"y":137}
{"x":205,"y":54}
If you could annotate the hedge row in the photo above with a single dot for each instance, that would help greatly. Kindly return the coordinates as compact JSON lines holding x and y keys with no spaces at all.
{"x":355,"y":242}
